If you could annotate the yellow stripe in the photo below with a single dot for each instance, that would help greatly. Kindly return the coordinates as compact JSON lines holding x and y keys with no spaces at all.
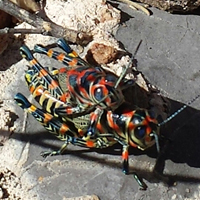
{"x":49,"y":105}
{"x":32,"y":108}
{"x":50,"y":53}
{"x":73,"y":54}
{"x":42,"y":99}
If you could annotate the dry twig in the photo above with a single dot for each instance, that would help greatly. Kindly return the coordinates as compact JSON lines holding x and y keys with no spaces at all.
{"x":136,"y":6}
{"x":42,"y":26}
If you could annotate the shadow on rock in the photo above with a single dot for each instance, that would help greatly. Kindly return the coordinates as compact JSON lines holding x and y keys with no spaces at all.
{"x":11,"y":55}
{"x":179,"y":143}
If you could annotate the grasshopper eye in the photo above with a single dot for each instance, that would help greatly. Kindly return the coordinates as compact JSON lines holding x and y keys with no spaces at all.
{"x":110,"y":78}
{"x":98,"y":94}
{"x":140,"y":132}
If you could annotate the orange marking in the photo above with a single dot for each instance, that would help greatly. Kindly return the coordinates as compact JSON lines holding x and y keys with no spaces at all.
{"x":33,"y":62}
{"x":47,"y":117}
{"x":129,"y":113}
{"x":81,"y":132}
{"x":99,"y":127}
{"x":62,"y":70}
{"x":75,"y":72}
{"x":133,"y":144}
{"x":84,"y":92}
{"x":94,"y":116}
{"x":73,"y":62}
{"x":38,"y":91}
{"x":131,"y":125}
{"x":42,"y":73}
{"x":50,"y":53}
{"x":125,"y":155}
{"x":108,"y":101}
{"x":73,"y":54}
{"x":148,"y":130}
{"x":53,"y":84}
{"x":90,"y":78}
{"x":105,"y":91}
{"x":151,"y":119}
{"x":63,"y":98}
{"x":90,"y":144}
{"x":64,"y":128}
{"x":145,"y":122}
{"x":68,"y":96}
{"x":61,"y":57}
{"x":31,"y":89}
{"x":32,"y":108}
{"x":69,"y":111}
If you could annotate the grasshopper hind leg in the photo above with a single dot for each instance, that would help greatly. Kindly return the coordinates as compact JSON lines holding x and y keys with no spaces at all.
{"x":54,"y":153}
{"x":52,"y":124}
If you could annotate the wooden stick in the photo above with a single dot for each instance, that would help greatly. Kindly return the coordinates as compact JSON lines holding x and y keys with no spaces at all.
{"x":46,"y":27}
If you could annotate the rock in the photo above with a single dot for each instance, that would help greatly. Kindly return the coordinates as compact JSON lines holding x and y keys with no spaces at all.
{"x":181,"y":6}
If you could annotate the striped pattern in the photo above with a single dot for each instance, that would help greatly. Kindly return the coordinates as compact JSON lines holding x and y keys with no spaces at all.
{"x":89,"y":86}
{"x":86,"y":88}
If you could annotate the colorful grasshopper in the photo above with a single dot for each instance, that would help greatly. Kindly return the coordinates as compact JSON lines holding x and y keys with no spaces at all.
{"x":45,"y":89}
{"x":85,"y":88}
{"x":135,"y":128}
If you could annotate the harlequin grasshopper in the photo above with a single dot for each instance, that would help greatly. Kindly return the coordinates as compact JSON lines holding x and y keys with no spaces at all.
{"x":49,"y":100}
{"x":86,"y":88}
{"x":127,"y":128}
{"x":136,"y":128}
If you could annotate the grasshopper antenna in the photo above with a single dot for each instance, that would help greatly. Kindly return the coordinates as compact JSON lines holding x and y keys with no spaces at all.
{"x":179,"y":111}
{"x":128,"y":66}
